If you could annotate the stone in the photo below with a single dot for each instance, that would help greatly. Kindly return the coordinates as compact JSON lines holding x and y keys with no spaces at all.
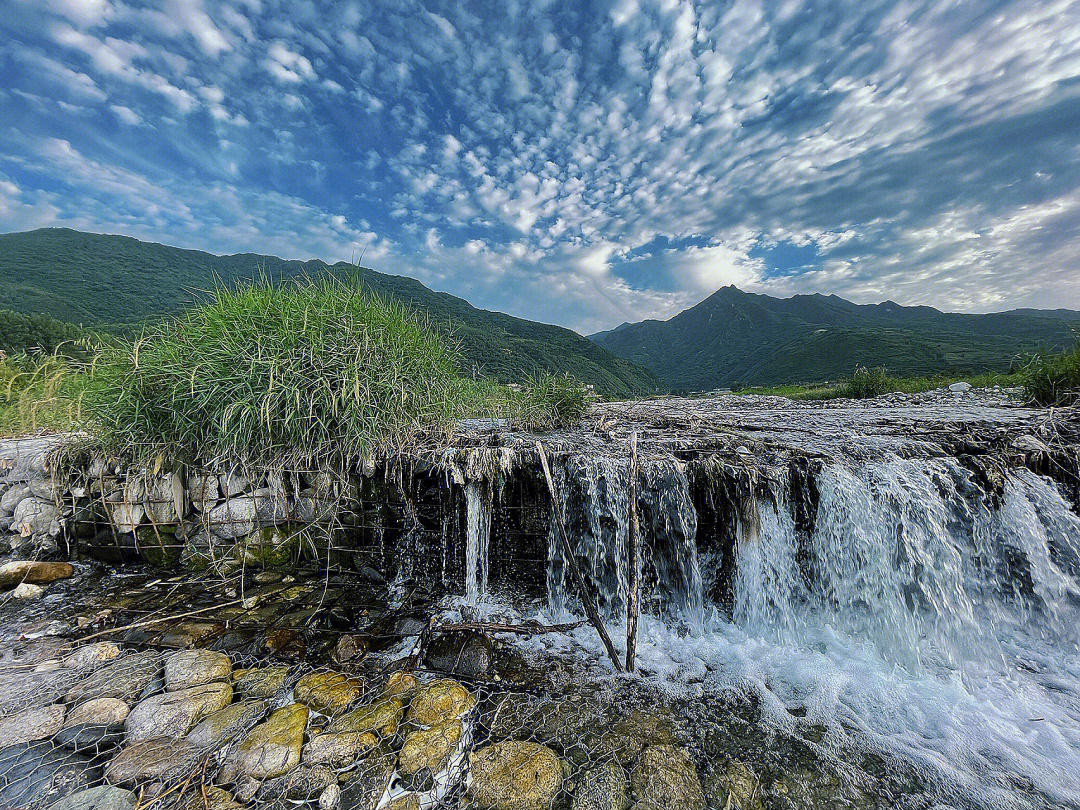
{"x":27,"y":591}
{"x":338,"y":750}
{"x":196,"y":667}
{"x":285,"y":642}
{"x":46,"y":488}
{"x":102,"y":797}
{"x":364,"y":789}
{"x":11,"y":499}
{"x":430,"y":748}
{"x":234,"y":483}
{"x":410,"y":801}
{"x":204,"y":491}
{"x":270,"y":749}
{"x":104,"y":711}
{"x":664,"y":778}
{"x":740,"y":787}
{"x":31,"y":724}
{"x":124,"y":678}
{"x":271,"y":546}
{"x":467,"y":654}
{"x":20,"y":688}
{"x":960,"y":387}
{"x":40,"y":774}
{"x":165,"y":499}
{"x":382,"y":717}
{"x":299,"y":784}
{"x":349,"y":648}
{"x":400,"y":684}
{"x":189,"y":633}
{"x":126,"y":516}
{"x":158,"y":545}
{"x":264,"y":682}
{"x":173,"y":714}
{"x":330,"y":798}
{"x":602,"y":787}
{"x":327,"y":692}
{"x":514,"y":776}
{"x":272,"y":504}
{"x":35,"y":573}
{"x":439,"y":701}
{"x":224,"y":725}
{"x":34,"y":517}
{"x":91,"y":655}
{"x":94,"y":726}
{"x":233,"y":518}
{"x":158,"y":759}
{"x":216,"y":799}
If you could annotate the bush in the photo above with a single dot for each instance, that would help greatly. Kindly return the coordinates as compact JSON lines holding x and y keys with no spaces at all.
{"x":1052,"y":379}
{"x":868,"y":382}
{"x":548,"y":401}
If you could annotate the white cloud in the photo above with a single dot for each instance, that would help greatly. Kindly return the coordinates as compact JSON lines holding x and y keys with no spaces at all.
{"x":287,"y":65}
{"x":126,"y":114}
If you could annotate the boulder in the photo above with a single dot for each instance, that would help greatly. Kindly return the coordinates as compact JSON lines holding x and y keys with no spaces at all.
{"x":664,"y":778}
{"x":270,"y":749}
{"x":94,"y":726}
{"x":364,"y":789}
{"x":196,"y":667}
{"x":430,"y":748}
{"x":204,"y":491}
{"x":272,"y":504}
{"x":602,"y":787}
{"x":159,"y":759}
{"x":338,"y":750}
{"x":102,"y":797}
{"x":34,"y":516}
{"x":39,"y":774}
{"x":224,"y":725}
{"x":382,"y":717}
{"x":327,"y":692}
{"x":31,"y":724}
{"x":20,"y":689}
{"x":264,"y":682}
{"x":124,"y":678}
{"x":91,"y":655}
{"x":46,"y":488}
{"x":271,"y":546}
{"x":233,"y":518}
{"x":172,"y":714}
{"x":165,"y":499}
{"x":36,"y":573}
{"x":104,"y":711}
{"x":401,"y":685}
{"x":514,"y":776}
{"x":11,"y":499}
{"x":467,"y":654}
{"x":439,"y":701}
{"x":234,"y":483}
{"x":298,"y":784}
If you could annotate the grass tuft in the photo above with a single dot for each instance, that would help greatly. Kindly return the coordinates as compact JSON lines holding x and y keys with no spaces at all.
{"x":1052,"y":379}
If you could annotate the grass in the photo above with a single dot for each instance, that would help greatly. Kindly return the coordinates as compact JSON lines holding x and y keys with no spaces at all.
{"x":40,"y":393}
{"x":1053,"y":379}
{"x":867,"y":383}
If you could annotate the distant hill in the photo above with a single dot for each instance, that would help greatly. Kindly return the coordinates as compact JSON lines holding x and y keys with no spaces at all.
{"x":96,"y":279}
{"x":749,"y":339}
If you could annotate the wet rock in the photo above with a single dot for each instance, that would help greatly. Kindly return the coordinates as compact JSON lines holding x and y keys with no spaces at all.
{"x":299,"y":784}
{"x":234,"y":518}
{"x":224,"y":725}
{"x":664,"y":778}
{"x":31,"y":724}
{"x":159,"y":759}
{"x":158,"y":545}
{"x":36,"y":573}
{"x":734,"y":785}
{"x":401,"y":685}
{"x":382,"y":717}
{"x":440,"y":701}
{"x":327,"y":692}
{"x":330,"y":798}
{"x":514,"y":776}
{"x":264,"y":682}
{"x":338,"y":750}
{"x":410,"y":801}
{"x":468,"y":654}
{"x":216,"y":799}
{"x":270,"y":749}
{"x":93,"y":726}
{"x":33,"y":517}
{"x":271,"y":546}
{"x":102,"y":797}
{"x":91,"y":655}
{"x":349,"y":648}
{"x":38,"y":774}
{"x":430,"y":748}
{"x":27,"y":591}
{"x":188,"y":634}
{"x":368,"y":782}
{"x":172,"y":714}
{"x":602,"y":787}
{"x":11,"y":499}
{"x":20,"y":689}
{"x":286,"y":642}
{"x":124,"y":678}
{"x":195,"y":668}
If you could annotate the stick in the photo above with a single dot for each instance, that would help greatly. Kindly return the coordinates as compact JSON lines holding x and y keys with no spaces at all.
{"x":497,"y":627}
{"x":633,"y":554}
{"x":136,"y":625}
{"x":583,"y":589}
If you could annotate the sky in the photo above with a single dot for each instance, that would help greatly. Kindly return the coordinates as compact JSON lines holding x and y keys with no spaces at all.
{"x":581,"y":163}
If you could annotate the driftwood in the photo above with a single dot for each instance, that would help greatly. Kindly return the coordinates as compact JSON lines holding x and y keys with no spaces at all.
{"x":587,"y":600}
{"x":633,"y":553}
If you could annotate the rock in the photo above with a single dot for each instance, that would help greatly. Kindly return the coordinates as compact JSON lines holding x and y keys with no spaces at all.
{"x":270,"y":749}
{"x":1030,"y":444}
{"x":960,"y":387}
{"x":196,"y":667}
{"x":35,"y":573}
{"x":430,"y":748}
{"x":369,"y":781}
{"x":39,"y":774}
{"x":234,"y":483}
{"x":94,"y":726}
{"x":514,"y":776}
{"x":224,"y":725}
{"x":104,"y":711}
{"x":330,"y":798}
{"x":264,"y":682}
{"x":33,"y":517}
{"x":20,"y":689}
{"x":349,"y":648}
{"x":126,"y":513}
{"x":410,"y":801}
{"x":740,"y":787}
{"x":158,"y":545}
{"x":327,"y":692}
{"x":91,"y":655}
{"x":159,"y":759}
{"x":102,"y":797}
{"x":124,"y":678}
{"x":439,"y":701}
{"x":27,"y":591}
{"x":216,"y":799}
{"x":664,"y":779}
{"x":301,"y":783}
{"x":46,"y":488}
{"x":165,"y":499}
{"x":234,"y":518}
{"x":602,"y":787}
{"x":338,"y":750}
{"x":272,"y":504}
{"x":189,"y":633}
{"x":312,"y":509}
{"x":11,"y":499}
{"x":172,"y":714}
{"x":285,"y":642}
{"x":468,"y":654}
{"x":31,"y":724}
{"x":204,"y":491}
{"x":400,"y":684}
{"x":382,"y":717}
{"x":271,"y":546}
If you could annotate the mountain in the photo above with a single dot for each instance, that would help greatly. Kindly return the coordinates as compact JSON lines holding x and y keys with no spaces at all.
{"x":738,"y":337}
{"x":97,"y":279}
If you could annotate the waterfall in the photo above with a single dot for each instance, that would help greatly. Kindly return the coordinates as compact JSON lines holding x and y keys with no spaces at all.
{"x":477,"y":533}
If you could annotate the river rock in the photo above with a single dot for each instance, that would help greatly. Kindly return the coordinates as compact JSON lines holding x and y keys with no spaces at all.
{"x":430,"y":748}
{"x":264,"y":682}
{"x":234,"y":518}
{"x":514,"y":776}
{"x":440,"y":701}
{"x":364,"y":789}
{"x":467,"y":654}
{"x":270,"y":749}
{"x":46,"y":488}
{"x":382,"y":717}
{"x":664,"y":778}
{"x":196,"y":667}
{"x":11,"y":499}
{"x":102,"y":797}
{"x":35,"y":573}
{"x":216,"y":799}
{"x":234,"y":483}
{"x":104,"y":711}
{"x":34,"y":516}
{"x":602,"y":787}
{"x":94,"y":726}
{"x":165,"y":499}
{"x":39,"y":774}
{"x":125,"y":515}
{"x":410,"y":801}
{"x":338,"y":750}
{"x":299,"y":784}
{"x":27,"y":591}
{"x":91,"y":655}
{"x":349,"y":648}
{"x":20,"y":689}
{"x":327,"y":692}
{"x":226,"y":724}
{"x":401,"y":685}
{"x":191,"y":633}
{"x":271,"y":546}
{"x":330,"y":798}
{"x":172,"y":714}
{"x":204,"y":491}
{"x":158,"y":759}
{"x":124,"y":678}
{"x":31,"y":724}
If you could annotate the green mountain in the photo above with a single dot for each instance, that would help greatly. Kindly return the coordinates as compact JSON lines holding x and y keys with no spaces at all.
{"x":748,"y":339}
{"x":96,"y":279}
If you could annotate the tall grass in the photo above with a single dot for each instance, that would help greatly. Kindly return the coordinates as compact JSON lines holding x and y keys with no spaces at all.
{"x":40,"y":392}
{"x":1053,"y":379}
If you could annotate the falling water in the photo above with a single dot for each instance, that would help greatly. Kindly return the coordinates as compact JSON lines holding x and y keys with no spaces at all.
{"x":477,"y":533}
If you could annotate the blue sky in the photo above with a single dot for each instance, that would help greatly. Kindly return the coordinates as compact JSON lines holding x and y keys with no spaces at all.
{"x":580,"y":163}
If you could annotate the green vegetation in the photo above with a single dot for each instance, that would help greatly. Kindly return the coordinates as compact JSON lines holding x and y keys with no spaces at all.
{"x":40,"y":334}
{"x":116,"y":281}
{"x":40,"y":393}
{"x":1053,"y":379}
{"x":867,"y":383}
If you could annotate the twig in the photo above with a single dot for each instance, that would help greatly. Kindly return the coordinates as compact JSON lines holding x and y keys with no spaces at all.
{"x":498,"y":627}
{"x":583,"y":589}
{"x":634,"y":578}
{"x":137,"y":625}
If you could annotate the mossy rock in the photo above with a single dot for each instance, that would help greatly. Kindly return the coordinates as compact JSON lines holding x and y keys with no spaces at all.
{"x":158,"y":545}
{"x":327,"y":692}
{"x":440,"y":701}
{"x":275,"y":546}
{"x":382,"y":716}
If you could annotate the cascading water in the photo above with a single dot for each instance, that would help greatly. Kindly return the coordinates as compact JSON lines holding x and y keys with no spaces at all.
{"x":477,"y":533}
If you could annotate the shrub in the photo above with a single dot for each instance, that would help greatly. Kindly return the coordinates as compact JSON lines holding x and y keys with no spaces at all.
{"x":1052,"y":379}
{"x":868,"y":382}
{"x":548,"y":401}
